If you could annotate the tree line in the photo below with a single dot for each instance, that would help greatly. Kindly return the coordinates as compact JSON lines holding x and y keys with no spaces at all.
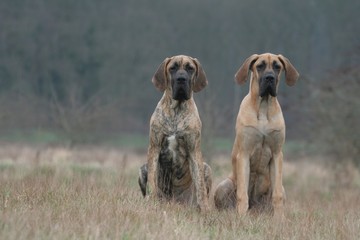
{"x":85,"y":66}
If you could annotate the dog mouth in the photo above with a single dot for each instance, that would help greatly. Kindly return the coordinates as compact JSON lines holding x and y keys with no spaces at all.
{"x":181,"y":93}
{"x":267,"y":87}
{"x":181,"y":90}
{"x":267,"y":90}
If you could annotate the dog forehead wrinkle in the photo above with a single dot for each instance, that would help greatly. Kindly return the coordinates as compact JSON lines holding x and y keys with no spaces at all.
{"x":269,"y":58}
{"x":189,"y":63}
{"x":266,"y":60}
{"x":178,"y":60}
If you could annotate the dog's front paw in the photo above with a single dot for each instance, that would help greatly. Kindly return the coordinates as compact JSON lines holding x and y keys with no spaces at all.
{"x":204,"y":207}
{"x":242,"y":208}
{"x":150,"y":196}
{"x":278,"y":214}
{"x":147,"y":198}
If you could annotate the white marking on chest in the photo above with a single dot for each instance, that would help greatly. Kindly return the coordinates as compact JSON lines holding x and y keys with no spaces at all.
{"x":172,"y":145}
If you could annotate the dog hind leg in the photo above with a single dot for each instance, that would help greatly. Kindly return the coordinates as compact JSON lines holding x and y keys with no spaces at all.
{"x":143,"y":178}
{"x":208,"y":178}
{"x":225,"y":195}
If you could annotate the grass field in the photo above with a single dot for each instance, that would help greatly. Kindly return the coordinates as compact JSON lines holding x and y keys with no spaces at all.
{"x":92,"y":193}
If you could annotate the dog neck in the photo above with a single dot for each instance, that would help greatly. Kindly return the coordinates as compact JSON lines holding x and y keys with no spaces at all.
{"x":263,"y":105}
{"x":176,"y":106}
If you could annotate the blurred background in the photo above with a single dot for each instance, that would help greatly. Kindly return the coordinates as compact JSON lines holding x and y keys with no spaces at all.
{"x":79,"y":72}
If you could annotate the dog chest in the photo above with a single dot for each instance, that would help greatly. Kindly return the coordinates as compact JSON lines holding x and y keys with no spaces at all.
{"x":173,"y":159}
{"x":261,"y":136}
{"x":260,"y":145}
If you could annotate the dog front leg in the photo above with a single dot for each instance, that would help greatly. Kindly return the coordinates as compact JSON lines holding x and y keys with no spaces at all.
{"x":242,"y":182}
{"x":278,"y":195}
{"x":197,"y":173}
{"x":153,"y":163}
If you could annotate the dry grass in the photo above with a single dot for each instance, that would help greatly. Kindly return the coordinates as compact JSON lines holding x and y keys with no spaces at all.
{"x":89,"y":193}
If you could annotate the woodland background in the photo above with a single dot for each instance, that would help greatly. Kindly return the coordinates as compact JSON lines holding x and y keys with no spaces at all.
{"x":76,"y":98}
{"x":80,"y":72}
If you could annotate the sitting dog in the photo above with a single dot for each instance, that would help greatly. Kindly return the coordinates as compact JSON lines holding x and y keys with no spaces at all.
{"x":256,"y":179}
{"x":175,"y":169}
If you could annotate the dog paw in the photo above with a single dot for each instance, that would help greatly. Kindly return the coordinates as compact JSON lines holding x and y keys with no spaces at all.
{"x":278,"y":214}
{"x":147,"y":198}
{"x":204,"y":208}
{"x":242,"y":208}
{"x":150,"y":197}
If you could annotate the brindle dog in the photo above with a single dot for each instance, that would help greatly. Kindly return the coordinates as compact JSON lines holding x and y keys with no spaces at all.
{"x":175,"y":169}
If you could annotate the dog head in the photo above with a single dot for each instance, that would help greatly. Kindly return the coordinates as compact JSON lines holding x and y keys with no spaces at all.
{"x":180,"y":75}
{"x":266,"y":69}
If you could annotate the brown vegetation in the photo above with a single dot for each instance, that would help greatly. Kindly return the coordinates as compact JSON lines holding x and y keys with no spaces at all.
{"x":92,"y":193}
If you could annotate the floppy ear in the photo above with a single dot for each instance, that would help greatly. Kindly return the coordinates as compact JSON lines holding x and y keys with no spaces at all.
{"x":242,"y":74}
{"x":200,"y":81}
{"x":291,"y":75}
{"x":159,"y":78}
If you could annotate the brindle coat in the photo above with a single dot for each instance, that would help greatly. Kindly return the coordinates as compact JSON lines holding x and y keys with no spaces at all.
{"x":256,"y":180}
{"x":175,"y":167}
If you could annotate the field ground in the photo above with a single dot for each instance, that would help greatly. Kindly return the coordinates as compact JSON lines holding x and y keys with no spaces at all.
{"x":92,"y":193}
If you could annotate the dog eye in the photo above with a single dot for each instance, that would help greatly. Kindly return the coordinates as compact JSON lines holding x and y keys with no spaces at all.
{"x":173,"y":67}
{"x":260,"y":66}
{"x":189,"y":68}
{"x":276,"y":66}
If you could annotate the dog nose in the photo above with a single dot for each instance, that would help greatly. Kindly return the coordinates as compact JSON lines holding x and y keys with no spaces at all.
{"x":269,"y":78}
{"x":181,"y":79}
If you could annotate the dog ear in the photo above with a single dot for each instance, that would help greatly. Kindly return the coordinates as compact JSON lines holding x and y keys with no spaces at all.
{"x":242,"y":74}
{"x":291,"y":75}
{"x":159,"y":78}
{"x":201,"y":80}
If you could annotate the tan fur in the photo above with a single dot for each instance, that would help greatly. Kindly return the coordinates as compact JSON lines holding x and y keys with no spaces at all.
{"x":180,"y":119}
{"x":257,"y":157}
